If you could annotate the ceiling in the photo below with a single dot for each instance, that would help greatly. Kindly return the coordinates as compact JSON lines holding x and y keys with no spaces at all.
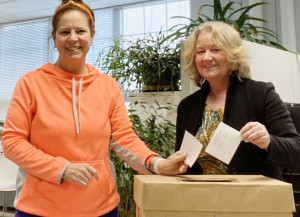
{"x":15,"y":10}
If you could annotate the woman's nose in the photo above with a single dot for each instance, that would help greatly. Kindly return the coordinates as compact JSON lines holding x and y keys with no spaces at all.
{"x":72,"y":36}
{"x":207,"y":56}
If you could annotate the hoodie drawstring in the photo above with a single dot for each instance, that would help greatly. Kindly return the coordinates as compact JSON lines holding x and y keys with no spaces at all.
{"x":76,"y":115}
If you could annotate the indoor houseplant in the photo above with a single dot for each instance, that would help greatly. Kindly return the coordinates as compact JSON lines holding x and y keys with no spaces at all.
{"x":159,"y":136}
{"x":234,"y":14}
{"x":147,"y":63}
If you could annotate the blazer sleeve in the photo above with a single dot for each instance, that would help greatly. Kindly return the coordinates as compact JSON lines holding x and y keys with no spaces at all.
{"x":284,"y":147}
{"x":179,"y":130}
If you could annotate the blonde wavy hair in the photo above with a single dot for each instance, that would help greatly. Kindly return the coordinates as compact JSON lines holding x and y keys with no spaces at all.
{"x":225,"y":38}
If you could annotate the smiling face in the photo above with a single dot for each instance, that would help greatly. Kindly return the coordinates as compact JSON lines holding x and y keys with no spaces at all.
{"x":73,"y":36}
{"x":211,"y":61}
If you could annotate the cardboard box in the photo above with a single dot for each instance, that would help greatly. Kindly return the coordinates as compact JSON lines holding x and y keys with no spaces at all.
{"x":212,"y":196}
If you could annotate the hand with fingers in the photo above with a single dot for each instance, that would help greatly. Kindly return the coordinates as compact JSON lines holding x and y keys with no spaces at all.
{"x":173,"y":165}
{"x":257,"y":134}
{"x":80,"y":173}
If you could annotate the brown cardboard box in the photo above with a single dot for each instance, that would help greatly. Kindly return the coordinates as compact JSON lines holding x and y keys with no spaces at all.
{"x":212,"y":196}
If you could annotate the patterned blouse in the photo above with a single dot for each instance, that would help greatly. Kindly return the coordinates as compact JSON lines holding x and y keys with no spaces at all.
{"x":210,"y":122}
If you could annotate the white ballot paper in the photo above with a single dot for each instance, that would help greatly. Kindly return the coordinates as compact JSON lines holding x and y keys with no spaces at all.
{"x":223,"y":143}
{"x":192,"y":147}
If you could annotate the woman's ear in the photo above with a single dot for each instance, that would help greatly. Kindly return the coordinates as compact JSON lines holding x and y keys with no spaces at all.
{"x":92,"y":36}
{"x":53,"y":36}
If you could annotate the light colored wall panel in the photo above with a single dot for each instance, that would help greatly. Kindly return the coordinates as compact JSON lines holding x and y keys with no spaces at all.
{"x":296,"y":79}
{"x":273,"y":65}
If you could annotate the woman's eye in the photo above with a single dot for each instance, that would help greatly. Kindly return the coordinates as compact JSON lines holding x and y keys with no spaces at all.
{"x":64,"y":32}
{"x":216,"y":50}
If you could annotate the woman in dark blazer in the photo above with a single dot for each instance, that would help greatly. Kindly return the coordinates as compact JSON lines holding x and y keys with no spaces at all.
{"x":217,"y":59}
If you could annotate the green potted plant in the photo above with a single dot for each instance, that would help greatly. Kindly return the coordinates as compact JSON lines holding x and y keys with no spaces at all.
{"x":149,"y":63}
{"x":238,"y":18}
{"x":158,"y":135}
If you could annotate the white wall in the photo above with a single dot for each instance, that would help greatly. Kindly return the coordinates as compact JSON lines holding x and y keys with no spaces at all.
{"x":279,"y":67}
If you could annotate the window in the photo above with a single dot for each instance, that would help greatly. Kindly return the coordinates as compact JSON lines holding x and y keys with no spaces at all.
{"x":104,"y":25}
{"x":24,"y":47}
{"x":152,"y":17}
{"x":28,"y":45}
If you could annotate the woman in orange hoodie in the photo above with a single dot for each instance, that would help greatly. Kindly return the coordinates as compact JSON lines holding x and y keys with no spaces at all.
{"x":59,"y":125}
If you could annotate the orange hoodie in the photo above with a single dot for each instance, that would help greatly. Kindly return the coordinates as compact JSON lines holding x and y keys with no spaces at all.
{"x":55,"y":118}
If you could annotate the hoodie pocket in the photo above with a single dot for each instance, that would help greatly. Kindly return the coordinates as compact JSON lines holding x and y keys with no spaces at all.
{"x":74,"y":198}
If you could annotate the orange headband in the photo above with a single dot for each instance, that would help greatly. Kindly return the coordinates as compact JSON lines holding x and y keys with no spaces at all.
{"x":77,"y":5}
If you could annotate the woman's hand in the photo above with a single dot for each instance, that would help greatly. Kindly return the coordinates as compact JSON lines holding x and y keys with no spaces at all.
{"x":80,"y":173}
{"x":173,"y":165}
{"x":257,"y":134}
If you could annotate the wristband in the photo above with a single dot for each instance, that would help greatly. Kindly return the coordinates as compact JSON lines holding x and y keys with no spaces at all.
{"x":155,"y":166}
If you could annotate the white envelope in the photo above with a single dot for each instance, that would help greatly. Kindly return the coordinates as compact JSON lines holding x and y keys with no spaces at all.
{"x":224,"y":143}
{"x":192,"y":147}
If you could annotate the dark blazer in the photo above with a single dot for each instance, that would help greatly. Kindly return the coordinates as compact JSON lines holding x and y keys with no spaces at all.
{"x":247,"y":101}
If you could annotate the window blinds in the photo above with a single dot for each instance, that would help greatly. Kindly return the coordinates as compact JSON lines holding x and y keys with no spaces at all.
{"x":27,"y":45}
{"x":24,"y":47}
{"x":152,"y":17}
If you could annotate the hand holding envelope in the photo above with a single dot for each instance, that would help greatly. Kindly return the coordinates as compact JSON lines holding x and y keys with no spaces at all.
{"x":192,"y":147}
{"x":223,"y":144}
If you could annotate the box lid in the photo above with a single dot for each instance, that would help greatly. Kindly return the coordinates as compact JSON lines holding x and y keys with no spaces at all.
{"x":228,"y":193}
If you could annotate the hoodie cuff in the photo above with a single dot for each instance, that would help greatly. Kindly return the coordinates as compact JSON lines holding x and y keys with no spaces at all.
{"x":147,"y":163}
{"x":60,"y":181}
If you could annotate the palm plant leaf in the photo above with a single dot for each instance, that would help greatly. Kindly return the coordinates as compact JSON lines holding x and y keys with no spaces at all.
{"x":268,"y":33}
{"x":226,"y":8}
{"x":242,"y":20}
{"x":268,"y":30}
{"x":246,"y":9}
{"x":207,"y":18}
{"x":257,"y":19}
{"x":217,"y":9}
{"x":246,"y":35}
{"x":277,"y":45}
{"x":242,"y":23}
